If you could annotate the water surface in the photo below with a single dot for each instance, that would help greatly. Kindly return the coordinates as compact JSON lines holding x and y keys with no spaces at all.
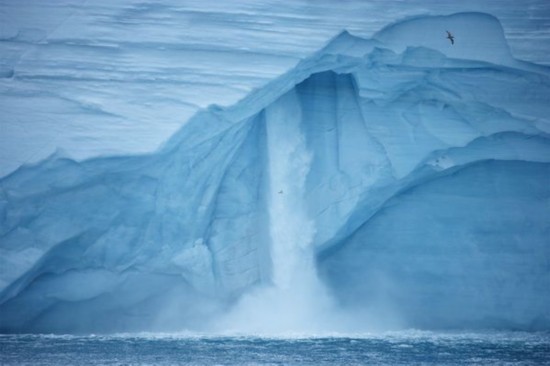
{"x":394,"y":348}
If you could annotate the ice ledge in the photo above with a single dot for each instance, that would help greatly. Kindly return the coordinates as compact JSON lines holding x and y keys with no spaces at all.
{"x":477,"y":37}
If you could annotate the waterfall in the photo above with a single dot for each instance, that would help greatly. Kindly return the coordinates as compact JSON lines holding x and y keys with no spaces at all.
{"x":296,"y":301}
{"x":291,"y":230}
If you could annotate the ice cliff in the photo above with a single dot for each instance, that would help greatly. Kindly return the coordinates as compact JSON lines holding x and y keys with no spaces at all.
{"x":410,"y":176}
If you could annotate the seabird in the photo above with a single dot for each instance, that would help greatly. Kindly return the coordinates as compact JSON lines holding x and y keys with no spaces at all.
{"x":281,"y":191}
{"x":451,"y":37}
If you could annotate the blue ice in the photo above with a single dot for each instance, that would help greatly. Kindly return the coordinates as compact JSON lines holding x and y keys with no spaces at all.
{"x":397,"y":181}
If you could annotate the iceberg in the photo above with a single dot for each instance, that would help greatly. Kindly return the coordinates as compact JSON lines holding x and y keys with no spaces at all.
{"x":400,"y":180}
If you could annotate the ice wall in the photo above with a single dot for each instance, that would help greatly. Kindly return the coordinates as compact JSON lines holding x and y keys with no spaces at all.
{"x":413,"y":178}
{"x":97,"y":78}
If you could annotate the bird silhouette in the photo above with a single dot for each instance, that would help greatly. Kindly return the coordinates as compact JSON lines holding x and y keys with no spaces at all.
{"x":451,"y":37}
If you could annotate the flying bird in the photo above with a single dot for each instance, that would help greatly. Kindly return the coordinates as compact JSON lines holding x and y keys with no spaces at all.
{"x":281,"y":191}
{"x":451,"y":37}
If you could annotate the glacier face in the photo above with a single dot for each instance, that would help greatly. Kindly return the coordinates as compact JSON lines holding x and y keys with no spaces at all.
{"x":411,"y":175}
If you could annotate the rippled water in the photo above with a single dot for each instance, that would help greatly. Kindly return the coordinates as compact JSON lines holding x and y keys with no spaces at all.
{"x":393,"y":348}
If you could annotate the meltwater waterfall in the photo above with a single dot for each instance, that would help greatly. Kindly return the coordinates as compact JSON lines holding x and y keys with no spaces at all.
{"x":295,"y":300}
{"x":291,"y":230}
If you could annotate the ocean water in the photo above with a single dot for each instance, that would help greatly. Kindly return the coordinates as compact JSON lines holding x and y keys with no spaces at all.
{"x":393,"y":348}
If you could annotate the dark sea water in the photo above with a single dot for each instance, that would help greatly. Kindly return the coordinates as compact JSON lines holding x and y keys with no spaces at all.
{"x":394,"y":348}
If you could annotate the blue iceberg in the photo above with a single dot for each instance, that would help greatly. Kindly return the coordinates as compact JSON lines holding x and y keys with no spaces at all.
{"x":397,"y":181}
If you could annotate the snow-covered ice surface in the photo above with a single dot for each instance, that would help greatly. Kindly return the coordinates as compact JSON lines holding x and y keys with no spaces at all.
{"x":116,"y":77}
{"x":384,"y":182}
